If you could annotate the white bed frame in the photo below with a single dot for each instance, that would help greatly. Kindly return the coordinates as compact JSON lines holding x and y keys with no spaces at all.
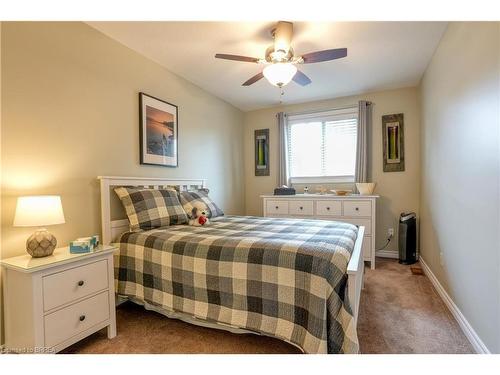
{"x":111,"y":229}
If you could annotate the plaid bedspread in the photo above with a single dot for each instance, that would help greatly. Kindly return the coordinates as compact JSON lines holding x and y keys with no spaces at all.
{"x":284,"y":278}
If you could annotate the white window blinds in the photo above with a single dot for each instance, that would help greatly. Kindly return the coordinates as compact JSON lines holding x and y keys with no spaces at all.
{"x":322,"y":144}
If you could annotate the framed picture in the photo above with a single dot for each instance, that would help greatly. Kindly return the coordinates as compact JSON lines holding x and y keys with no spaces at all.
{"x":158,"y":132}
{"x":393,"y":138}
{"x":262,"y":152}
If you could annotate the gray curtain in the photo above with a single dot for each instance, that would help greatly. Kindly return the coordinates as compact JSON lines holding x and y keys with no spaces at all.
{"x":283,"y":176}
{"x":364,"y":124}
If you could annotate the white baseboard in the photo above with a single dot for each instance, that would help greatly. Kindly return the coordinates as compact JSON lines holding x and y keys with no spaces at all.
{"x":467,"y":329}
{"x":387,"y":254}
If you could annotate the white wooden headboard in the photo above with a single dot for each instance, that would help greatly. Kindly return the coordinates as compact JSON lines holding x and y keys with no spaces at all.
{"x":111,"y":229}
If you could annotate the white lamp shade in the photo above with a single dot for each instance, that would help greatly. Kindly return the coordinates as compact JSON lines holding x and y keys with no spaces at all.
{"x":280,"y":74}
{"x":38,"y":210}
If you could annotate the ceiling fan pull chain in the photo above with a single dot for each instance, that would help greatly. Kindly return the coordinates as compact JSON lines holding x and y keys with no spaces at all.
{"x":281,"y":94}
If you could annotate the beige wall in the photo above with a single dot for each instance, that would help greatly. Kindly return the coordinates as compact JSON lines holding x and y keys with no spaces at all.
{"x":70,"y":113}
{"x":460,"y":192}
{"x":399,"y":191}
{"x":1,"y":291}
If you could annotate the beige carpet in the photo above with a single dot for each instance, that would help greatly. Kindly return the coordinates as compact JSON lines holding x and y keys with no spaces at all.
{"x":400,"y":313}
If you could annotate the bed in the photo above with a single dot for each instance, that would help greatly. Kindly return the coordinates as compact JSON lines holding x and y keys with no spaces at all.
{"x":293,"y":279}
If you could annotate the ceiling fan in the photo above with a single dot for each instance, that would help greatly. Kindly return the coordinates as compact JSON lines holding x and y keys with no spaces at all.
{"x":280,"y":60}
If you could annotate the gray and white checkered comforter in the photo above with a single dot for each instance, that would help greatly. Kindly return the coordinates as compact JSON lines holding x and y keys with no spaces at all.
{"x":284,"y":278}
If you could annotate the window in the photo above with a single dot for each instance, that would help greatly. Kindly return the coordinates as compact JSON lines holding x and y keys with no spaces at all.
{"x":322,"y":146}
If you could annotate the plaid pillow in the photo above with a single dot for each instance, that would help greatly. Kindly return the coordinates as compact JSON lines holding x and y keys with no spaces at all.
{"x":151,"y":208}
{"x":199,"y":199}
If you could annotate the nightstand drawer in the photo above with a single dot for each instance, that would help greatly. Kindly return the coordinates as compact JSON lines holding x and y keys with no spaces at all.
{"x":70,"y":285}
{"x":357,"y":208}
{"x":277,"y":207}
{"x":301,"y":208}
{"x":72,"y":320}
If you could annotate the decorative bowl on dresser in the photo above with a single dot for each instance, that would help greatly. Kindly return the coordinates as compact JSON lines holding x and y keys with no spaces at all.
{"x":355,"y":209}
{"x":55,"y":301}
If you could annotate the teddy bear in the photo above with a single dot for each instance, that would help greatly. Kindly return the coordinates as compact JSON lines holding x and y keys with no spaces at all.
{"x":198,"y":217}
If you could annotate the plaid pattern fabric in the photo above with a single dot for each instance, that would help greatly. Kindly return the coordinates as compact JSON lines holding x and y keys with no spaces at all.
{"x":281,"y":277}
{"x":151,"y":208}
{"x":201,"y":201}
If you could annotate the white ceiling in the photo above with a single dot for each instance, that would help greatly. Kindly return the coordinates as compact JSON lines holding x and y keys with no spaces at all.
{"x":381,"y":55}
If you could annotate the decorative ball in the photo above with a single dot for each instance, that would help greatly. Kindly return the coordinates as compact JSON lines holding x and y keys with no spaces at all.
{"x":41,"y":244}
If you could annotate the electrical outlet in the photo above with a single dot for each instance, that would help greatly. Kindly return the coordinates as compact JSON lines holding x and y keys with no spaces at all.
{"x":390,"y":232}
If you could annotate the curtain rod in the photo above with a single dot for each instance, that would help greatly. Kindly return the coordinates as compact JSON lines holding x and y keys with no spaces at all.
{"x":323,"y":110}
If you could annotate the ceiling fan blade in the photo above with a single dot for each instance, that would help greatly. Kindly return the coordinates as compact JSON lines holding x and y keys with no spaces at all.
{"x":236,"y":58}
{"x":326,"y":55}
{"x":301,"y":78}
{"x":254,"y":79}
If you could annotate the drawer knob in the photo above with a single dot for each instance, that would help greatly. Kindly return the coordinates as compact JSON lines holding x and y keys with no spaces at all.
{"x":276,"y":207}
{"x":357,"y":208}
{"x":301,"y":207}
{"x":81,"y":282}
{"x":82,"y":318}
{"x":328,"y":208}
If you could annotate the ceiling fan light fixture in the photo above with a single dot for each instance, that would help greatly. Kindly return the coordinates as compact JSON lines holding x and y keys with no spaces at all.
{"x":279,"y":55}
{"x":279,"y":74}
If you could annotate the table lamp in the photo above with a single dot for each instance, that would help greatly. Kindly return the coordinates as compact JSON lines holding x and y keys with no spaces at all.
{"x":39,"y":211}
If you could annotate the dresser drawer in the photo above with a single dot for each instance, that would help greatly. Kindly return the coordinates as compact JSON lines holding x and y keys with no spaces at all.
{"x":357,"y":208}
{"x":367,"y":248}
{"x":359,"y":222}
{"x":277,"y":207}
{"x":328,"y":208}
{"x":300,"y":208}
{"x":70,"y":321}
{"x":70,"y":285}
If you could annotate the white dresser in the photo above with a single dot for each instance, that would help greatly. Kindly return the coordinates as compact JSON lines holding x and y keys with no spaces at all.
{"x":55,"y":301}
{"x":355,"y":209}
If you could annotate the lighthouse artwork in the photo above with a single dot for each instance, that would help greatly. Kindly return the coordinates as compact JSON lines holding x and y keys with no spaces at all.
{"x":158,"y":131}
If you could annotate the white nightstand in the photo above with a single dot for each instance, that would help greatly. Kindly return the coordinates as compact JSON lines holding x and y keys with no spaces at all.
{"x":50,"y":303}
